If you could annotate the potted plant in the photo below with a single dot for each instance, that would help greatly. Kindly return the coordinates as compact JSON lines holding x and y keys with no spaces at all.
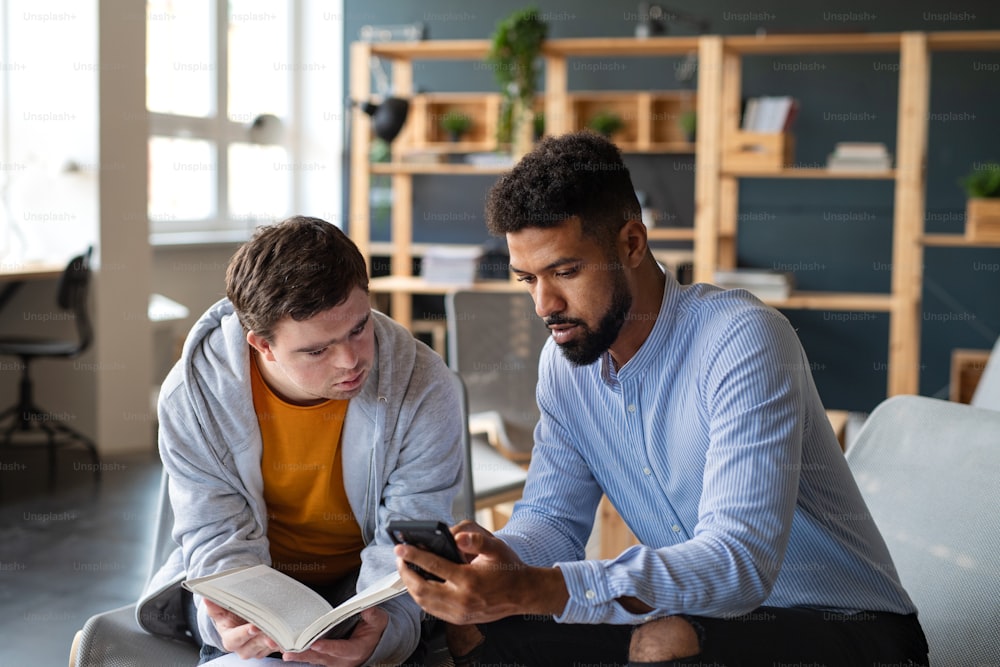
{"x":982,"y":208}
{"x":689,"y":125}
{"x":455,"y":124}
{"x":606,"y":123}
{"x":514,"y":48}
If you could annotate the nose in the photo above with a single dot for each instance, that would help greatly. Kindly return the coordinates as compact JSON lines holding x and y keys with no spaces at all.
{"x":548,"y":299}
{"x":345,"y":356}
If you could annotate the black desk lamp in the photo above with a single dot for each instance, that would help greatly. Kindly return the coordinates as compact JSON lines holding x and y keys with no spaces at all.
{"x":387,"y":117}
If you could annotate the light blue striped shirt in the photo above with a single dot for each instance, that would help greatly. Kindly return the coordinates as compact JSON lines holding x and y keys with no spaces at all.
{"x":714,"y":446}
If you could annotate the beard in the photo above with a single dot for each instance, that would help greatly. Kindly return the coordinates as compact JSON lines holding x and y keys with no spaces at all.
{"x":589,"y":346}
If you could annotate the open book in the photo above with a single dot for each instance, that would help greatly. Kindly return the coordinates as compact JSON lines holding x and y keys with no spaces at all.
{"x":289,"y":612}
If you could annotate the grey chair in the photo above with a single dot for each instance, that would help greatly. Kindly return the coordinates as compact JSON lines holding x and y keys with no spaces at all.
{"x":113,"y":638}
{"x":490,"y":479}
{"x":25,"y":416}
{"x":928,"y":471}
{"x":494,"y":339}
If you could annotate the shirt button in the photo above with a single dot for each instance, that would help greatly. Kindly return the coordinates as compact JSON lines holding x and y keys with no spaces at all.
{"x":631,"y":408}
{"x":676,"y":528}
{"x":647,"y":471}
{"x":590,"y":595}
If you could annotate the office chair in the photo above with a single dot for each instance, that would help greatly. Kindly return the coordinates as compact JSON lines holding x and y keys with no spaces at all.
{"x":489,"y":479}
{"x":494,"y":340}
{"x":927,"y":470}
{"x":26,"y":416}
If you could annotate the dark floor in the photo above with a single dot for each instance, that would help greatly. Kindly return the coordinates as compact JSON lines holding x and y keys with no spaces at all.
{"x":69,"y":552}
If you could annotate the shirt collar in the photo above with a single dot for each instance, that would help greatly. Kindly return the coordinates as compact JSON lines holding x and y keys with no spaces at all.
{"x":655,"y":343}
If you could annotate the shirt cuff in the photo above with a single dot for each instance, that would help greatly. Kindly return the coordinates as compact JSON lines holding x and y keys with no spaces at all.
{"x":591,"y":598}
{"x":588,"y":592}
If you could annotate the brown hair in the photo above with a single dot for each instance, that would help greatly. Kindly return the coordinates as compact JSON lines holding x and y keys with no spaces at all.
{"x":296,"y":268}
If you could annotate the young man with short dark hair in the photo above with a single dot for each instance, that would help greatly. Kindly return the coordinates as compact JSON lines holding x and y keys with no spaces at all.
{"x":297,"y":424}
{"x":694,"y":411}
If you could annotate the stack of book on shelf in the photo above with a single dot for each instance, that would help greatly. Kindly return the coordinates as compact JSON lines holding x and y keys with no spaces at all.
{"x":859,"y":156}
{"x":422,"y":156}
{"x":769,"y":114}
{"x":445,"y":264}
{"x":490,"y":159}
{"x":762,"y":283}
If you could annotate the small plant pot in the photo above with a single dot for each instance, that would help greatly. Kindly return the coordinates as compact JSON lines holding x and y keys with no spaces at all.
{"x":982,"y":219}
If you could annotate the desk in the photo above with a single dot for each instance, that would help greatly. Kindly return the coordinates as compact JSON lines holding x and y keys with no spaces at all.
{"x":14,"y":275}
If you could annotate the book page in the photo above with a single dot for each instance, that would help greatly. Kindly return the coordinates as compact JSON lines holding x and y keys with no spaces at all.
{"x":379,"y":591}
{"x":272,"y":600}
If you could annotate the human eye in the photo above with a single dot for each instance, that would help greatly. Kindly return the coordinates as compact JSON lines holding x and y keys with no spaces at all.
{"x":568,"y":272}
{"x":525,"y":278}
{"x":317,"y":353}
{"x":358,"y":330}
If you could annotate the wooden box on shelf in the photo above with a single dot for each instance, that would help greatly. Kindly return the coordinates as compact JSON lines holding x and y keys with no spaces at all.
{"x":428,"y":110}
{"x":584,"y":108}
{"x":757,"y":151}
{"x":651,"y":120}
{"x":982,"y":219}
{"x":666,"y":111}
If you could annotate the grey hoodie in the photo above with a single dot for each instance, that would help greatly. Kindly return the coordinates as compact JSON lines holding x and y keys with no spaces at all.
{"x":402,"y":459}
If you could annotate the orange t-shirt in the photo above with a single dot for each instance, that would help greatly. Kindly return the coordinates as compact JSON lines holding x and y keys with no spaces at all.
{"x":313,"y":534}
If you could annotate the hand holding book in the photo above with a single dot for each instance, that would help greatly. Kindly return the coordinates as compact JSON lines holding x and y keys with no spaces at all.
{"x":289,"y":612}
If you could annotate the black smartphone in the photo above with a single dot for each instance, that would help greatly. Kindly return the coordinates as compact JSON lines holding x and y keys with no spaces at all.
{"x":432,"y":536}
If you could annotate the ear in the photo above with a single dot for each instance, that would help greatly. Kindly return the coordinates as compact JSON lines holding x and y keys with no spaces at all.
{"x":260,"y":344}
{"x":633,"y":242}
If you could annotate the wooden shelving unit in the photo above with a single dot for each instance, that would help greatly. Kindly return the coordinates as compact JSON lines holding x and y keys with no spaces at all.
{"x":718,"y":106}
{"x":652,"y":126}
{"x":720,"y":224}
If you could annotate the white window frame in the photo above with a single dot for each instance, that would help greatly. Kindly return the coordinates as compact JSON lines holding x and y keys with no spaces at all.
{"x":316,"y":28}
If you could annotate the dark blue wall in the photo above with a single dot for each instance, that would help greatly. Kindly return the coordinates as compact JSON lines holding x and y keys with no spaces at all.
{"x":834,"y":235}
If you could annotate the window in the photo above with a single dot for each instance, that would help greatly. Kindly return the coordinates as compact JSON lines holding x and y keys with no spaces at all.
{"x":226,"y":80}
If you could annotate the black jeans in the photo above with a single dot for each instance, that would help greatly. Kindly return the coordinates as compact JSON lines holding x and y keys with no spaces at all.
{"x":766,"y":637}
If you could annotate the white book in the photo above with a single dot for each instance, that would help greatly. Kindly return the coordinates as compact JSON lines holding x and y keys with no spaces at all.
{"x":838,"y":163}
{"x":288,"y":611}
{"x":750,"y":115}
{"x":752,"y":277}
{"x":765,"y":284}
{"x":445,"y":264}
{"x":860,"y":149}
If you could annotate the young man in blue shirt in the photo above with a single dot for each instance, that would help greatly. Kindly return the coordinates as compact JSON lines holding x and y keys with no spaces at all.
{"x":694,"y":411}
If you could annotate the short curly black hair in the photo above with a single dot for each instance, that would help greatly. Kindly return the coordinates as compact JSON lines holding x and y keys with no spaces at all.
{"x":579,"y":174}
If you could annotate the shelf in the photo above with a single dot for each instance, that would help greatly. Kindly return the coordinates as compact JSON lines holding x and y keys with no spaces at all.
{"x":806,"y":43}
{"x":445,"y":49}
{"x":956,"y":241}
{"x":812,"y":172}
{"x":668,"y":234}
{"x":846,"y":301}
{"x":597,"y":47}
{"x":971,"y":40}
{"x":441,"y":169}
{"x":677,"y":147}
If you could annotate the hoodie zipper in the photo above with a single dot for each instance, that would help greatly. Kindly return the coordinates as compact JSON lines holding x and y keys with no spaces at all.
{"x":369,"y":521}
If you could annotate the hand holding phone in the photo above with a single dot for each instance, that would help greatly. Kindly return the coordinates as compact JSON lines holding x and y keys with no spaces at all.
{"x":433,"y":536}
